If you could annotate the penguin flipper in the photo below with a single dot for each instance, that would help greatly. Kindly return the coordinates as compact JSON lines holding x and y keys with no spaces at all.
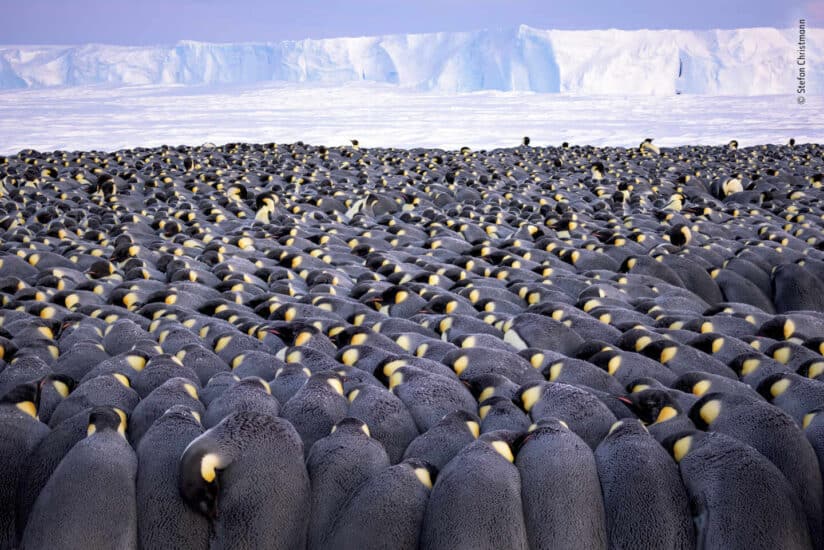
{"x":700,"y":519}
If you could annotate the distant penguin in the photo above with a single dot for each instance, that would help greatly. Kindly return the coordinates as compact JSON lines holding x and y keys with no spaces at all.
{"x":738,"y":497}
{"x":53,"y":389}
{"x":560,"y":490}
{"x":476,"y":500}
{"x":89,"y":501}
{"x":216,"y":385}
{"x":247,"y":475}
{"x":338,"y":464}
{"x":647,"y":147}
{"x":679,"y":235}
{"x":753,"y":368}
{"x":158,"y":370}
{"x":288,"y":380}
{"x":645,"y":501}
{"x":476,"y":361}
{"x":163,"y":518}
{"x":386,"y":511}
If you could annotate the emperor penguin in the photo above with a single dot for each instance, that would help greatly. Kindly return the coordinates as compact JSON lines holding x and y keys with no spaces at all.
{"x":21,"y":432}
{"x":248,"y":477}
{"x":386,"y":511}
{"x":89,"y":500}
{"x":163,"y":518}
{"x":738,"y":497}
{"x":476,"y":500}
{"x":560,"y":490}
{"x":645,"y":501}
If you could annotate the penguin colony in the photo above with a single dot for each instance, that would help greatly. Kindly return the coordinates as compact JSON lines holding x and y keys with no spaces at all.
{"x":290,"y":346}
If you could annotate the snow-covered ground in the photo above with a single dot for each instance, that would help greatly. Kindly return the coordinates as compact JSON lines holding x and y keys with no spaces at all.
{"x":108,"y":118}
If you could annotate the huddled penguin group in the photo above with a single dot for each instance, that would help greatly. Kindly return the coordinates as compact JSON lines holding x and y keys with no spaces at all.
{"x":295,"y":346}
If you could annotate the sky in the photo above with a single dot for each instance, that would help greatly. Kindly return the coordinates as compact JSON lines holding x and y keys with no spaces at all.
{"x":142,"y":22}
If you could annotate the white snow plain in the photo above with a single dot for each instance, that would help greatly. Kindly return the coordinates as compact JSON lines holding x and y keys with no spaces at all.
{"x":383,"y":115}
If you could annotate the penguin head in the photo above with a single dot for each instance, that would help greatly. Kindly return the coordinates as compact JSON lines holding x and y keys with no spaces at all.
{"x":294,"y":333}
{"x":662,"y":350}
{"x":484,"y":386}
{"x":626,"y":426}
{"x":504,"y":442}
{"x":393,"y":371}
{"x":680,"y":444}
{"x":106,"y":418}
{"x":331,"y":380}
{"x":693,"y":382}
{"x":706,"y":410}
{"x":680,"y":235}
{"x":812,"y":368}
{"x":25,"y":397}
{"x":709,"y":342}
{"x":590,"y":348}
{"x":774,"y":385}
{"x":351,"y":425}
{"x":747,"y":363}
{"x":779,"y":327}
{"x":528,"y":395}
{"x":198,"y":479}
{"x":653,"y":405}
{"x":61,"y":383}
{"x":423,"y":471}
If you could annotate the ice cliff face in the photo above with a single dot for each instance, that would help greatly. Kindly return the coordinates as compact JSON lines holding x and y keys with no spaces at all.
{"x":756,"y":61}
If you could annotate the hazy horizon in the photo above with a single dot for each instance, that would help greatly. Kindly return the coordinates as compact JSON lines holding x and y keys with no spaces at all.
{"x":154,"y":22}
